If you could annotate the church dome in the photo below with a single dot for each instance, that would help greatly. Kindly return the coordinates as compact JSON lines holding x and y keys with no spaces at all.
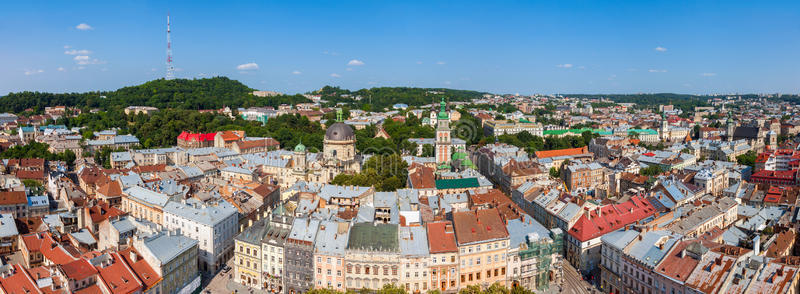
{"x":339,"y":132}
{"x":300,"y":147}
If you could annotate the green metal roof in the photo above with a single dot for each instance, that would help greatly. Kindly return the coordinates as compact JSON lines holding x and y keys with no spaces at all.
{"x":373,"y":237}
{"x":457,"y":183}
{"x":300,"y":147}
{"x":575,"y":132}
{"x":442,"y":112}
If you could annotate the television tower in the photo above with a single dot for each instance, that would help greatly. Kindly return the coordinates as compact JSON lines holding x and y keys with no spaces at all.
{"x":170,"y":69}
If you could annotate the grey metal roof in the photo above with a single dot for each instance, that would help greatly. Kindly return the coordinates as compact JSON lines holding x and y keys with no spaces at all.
{"x":304,"y":229}
{"x":518,"y":231}
{"x":619,"y":239}
{"x":147,"y":196}
{"x":653,"y":247}
{"x":8,"y":227}
{"x":123,"y":225}
{"x":413,"y":241}
{"x":329,"y":191}
{"x":330,"y":241}
{"x":84,"y":236}
{"x":207,"y":214}
{"x":384,"y":199}
{"x":165,"y":247}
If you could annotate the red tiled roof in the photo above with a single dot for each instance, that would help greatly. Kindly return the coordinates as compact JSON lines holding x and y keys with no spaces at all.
{"x":562,"y":152}
{"x":118,"y":277}
{"x":440,"y":239}
{"x":676,"y":265}
{"x":30,"y":174}
{"x":78,"y":270}
{"x":19,"y":282}
{"x":103,"y":211}
{"x":43,"y":242}
{"x":422,"y":177}
{"x":477,"y":226}
{"x":247,"y":144}
{"x":110,"y":189}
{"x":93,"y":289}
{"x":140,"y":267}
{"x":200,"y":137}
{"x":13,"y":198}
{"x":611,"y":218}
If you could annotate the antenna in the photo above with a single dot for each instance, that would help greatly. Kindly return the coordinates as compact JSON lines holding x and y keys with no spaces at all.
{"x":170,"y":70}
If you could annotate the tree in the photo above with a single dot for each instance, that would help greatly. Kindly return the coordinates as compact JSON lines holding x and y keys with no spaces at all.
{"x":748,"y":158}
{"x":652,"y":170}
{"x":554,"y":172}
{"x":428,"y":150}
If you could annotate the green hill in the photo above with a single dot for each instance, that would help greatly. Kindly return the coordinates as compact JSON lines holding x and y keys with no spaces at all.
{"x":208,"y":93}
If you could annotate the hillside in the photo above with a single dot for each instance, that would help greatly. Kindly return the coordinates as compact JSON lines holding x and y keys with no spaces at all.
{"x":384,"y":97}
{"x":208,"y":93}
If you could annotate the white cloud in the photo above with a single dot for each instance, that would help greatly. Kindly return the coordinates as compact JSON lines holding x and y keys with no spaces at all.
{"x":81,"y":67}
{"x":660,"y":49}
{"x":657,"y":70}
{"x":335,"y":75}
{"x":247,"y":66}
{"x":447,"y":83}
{"x":296,"y":72}
{"x":84,"y":27}
{"x":61,"y":69}
{"x":33,"y":72}
{"x":581,"y":67}
{"x":67,"y":46}
{"x":440,"y":62}
{"x":349,"y":69}
{"x":708,"y":74}
{"x":355,"y":62}
{"x":612,"y":77}
{"x":419,"y":62}
{"x":78,"y":52}
{"x":565,"y":65}
{"x":84,"y":60}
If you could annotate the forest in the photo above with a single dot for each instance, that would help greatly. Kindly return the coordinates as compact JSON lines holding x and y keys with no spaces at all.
{"x":377,"y":99}
{"x":207,"y":93}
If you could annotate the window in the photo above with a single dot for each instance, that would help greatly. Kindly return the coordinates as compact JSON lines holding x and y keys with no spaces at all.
{"x":478,"y":276}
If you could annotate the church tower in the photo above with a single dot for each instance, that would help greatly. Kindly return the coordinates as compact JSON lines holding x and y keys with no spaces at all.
{"x":299,"y":157}
{"x":730,"y":128}
{"x":664,"y":128}
{"x":443,"y":143}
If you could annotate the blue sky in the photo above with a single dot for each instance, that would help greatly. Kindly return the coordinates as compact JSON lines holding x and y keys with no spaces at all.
{"x":498,"y":46}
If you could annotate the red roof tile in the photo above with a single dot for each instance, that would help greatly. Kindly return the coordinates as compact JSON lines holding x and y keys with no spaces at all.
{"x":478,"y":226}
{"x":118,"y":277}
{"x":441,"y":237}
{"x":78,"y":270}
{"x":200,"y":137}
{"x":610,"y":218}
{"x":140,"y":267}
{"x":19,"y":281}
{"x":13,"y":198}
{"x":562,"y":152}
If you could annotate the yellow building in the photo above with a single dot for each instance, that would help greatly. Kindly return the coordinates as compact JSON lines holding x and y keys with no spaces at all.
{"x":482,"y":244}
{"x":247,"y":255}
{"x":144,"y":204}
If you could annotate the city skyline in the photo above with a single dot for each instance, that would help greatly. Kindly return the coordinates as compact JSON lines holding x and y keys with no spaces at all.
{"x":500,"y":47}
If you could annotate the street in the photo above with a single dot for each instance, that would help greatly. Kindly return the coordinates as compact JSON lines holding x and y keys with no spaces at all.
{"x":573,"y":283}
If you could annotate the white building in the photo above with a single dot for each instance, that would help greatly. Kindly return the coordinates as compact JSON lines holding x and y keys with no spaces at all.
{"x":213,"y":225}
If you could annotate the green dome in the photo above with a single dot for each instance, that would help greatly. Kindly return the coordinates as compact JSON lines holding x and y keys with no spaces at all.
{"x":300,"y":147}
{"x":442,"y":112}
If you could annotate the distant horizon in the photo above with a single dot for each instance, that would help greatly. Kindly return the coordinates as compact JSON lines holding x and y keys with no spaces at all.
{"x":404,"y":86}
{"x":702,"y":48}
